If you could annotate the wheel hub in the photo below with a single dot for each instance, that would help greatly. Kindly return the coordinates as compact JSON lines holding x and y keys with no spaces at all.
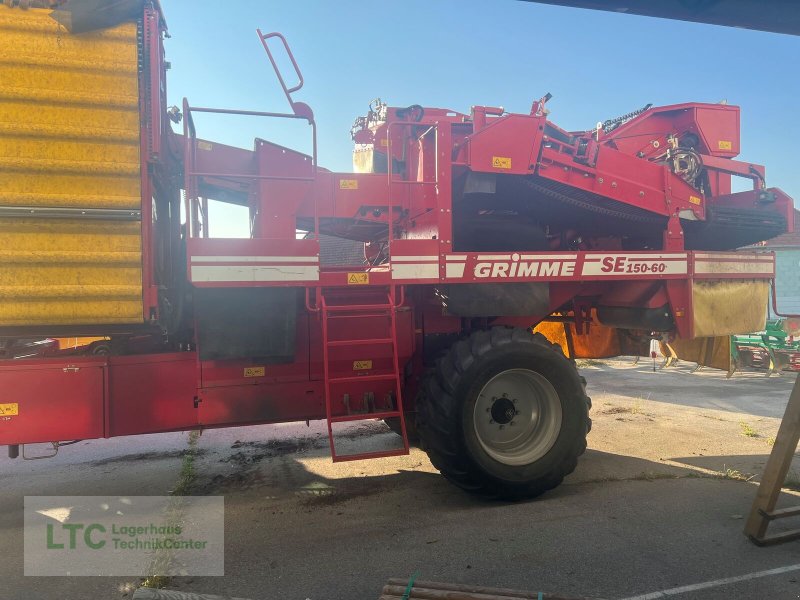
{"x":503,"y":410}
{"x":517,"y":416}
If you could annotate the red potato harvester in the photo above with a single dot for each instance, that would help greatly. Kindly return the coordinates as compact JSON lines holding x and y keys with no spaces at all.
{"x":488,"y":237}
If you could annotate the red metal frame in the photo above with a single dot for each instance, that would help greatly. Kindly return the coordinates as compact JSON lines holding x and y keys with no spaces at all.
{"x":152,"y":108}
{"x":390,"y":307}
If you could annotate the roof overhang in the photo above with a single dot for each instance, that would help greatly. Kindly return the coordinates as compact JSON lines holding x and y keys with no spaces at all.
{"x":778,"y":16}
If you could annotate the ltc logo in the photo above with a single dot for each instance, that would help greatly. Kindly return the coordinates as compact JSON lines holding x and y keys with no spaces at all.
{"x":523,"y":266}
{"x":73,"y":537}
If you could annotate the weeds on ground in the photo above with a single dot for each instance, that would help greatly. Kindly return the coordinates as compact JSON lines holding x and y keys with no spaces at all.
{"x":187,"y":475}
{"x":652,"y":476}
{"x":157,"y":582}
{"x":583,"y":363}
{"x":186,"y":478}
{"x":734,"y":474}
{"x":748,"y":431}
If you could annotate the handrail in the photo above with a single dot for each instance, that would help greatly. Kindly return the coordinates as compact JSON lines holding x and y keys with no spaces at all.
{"x":190,"y":156}
{"x":288,"y":91}
{"x":300,"y":110}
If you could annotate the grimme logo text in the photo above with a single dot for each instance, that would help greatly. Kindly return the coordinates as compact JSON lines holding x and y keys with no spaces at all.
{"x":517,"y":268}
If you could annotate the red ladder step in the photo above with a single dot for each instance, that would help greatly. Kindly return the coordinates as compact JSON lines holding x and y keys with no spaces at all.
{"x":340,"y":343}
{"x":364,"y":416}
{"x":357,"y":378}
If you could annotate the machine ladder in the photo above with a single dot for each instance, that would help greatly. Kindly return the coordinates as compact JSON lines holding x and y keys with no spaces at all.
{"x":336,"y":387}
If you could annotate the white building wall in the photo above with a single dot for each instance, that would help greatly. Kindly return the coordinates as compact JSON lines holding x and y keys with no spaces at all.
{"x":787,"y":280}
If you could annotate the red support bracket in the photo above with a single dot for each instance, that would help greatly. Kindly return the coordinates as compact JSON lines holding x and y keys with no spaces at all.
{"x":582,"y":309}
{"x":673,"y":235}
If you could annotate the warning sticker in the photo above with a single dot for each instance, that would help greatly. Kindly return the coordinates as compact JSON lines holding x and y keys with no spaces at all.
{"x":357,"y":278}
{"x":501,"y":162}
{"x":254,"y":371}
{"x":362,"y":365}
{"x":695,"y":199}
{"x":348,"y":184}
{"x":725,"y":145}
{"x":204,"y":145}
{"x":9,"y":410}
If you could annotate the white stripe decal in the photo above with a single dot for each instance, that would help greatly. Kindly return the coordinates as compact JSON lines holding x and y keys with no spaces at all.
{"x":549,"y":256}
{"x":416,"y":271}
{"x":616,"y":265}
{"x":253,"y":273}
{"x":597,"y":256}
{"x":414,"y":259}
{"x":246,"y":259}
{"x":455,"y":269}
{"x":494,"y":257}
{"x":456,"y":257}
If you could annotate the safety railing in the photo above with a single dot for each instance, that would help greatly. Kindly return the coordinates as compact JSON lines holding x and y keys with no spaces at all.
{"x":194,"y":205}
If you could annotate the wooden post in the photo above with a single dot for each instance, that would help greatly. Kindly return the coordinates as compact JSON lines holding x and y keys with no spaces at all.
{"x":778,"y":464}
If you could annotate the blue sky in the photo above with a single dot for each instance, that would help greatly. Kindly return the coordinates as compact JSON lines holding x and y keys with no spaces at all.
{"x":454,"y":54}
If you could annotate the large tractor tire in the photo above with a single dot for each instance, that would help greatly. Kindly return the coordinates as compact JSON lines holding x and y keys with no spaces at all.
{"x":504,"y":414}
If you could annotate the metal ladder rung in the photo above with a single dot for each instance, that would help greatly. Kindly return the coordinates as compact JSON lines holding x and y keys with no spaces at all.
{"x":340,"y":343}
{"x":356,"y":378}
{"x":336,"y":317}
{"x":366,"y":455}
{"x":364,"y":416}
{"x":334,"y":308}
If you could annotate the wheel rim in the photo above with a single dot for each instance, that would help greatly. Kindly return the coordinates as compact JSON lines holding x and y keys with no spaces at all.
{"x":517,"y":417}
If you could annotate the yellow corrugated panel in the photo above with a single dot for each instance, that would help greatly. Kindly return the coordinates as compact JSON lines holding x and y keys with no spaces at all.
{"x":69,"y":138}
{"x":69,"y":271}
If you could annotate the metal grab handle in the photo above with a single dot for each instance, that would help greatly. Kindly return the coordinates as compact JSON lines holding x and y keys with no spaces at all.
{"x":315,"y":308}
{"x":286,"y":90}
{"x":392,"y":297}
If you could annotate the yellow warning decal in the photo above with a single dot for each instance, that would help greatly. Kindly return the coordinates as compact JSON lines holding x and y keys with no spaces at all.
{"x":12,"y":410}
{"x":254,"y":371}
{"x":348,"y":184}
{"x":725,"y":145}
{"x":204,"y":145}
{"x":357,"y":278}
{"x":362,"y":365}
{"x":501,"y":162}
{"x":695,"y":199}
{"x":384,"y":142}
